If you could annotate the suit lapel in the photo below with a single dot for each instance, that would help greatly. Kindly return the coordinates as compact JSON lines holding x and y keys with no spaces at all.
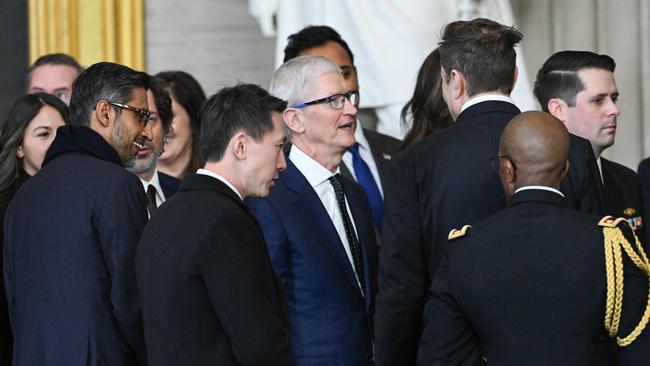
{"x":310,"y":206}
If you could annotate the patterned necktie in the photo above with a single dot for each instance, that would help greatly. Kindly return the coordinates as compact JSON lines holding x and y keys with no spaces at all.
{"x":151,"y":199}
{"x":355,"y":247}
{"x":367,"y":181}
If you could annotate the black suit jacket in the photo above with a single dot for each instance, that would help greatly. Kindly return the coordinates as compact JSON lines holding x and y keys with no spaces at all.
{"x":440,"y":183}
{"x":209,"y":294}
{"x":168,"y":184}
{"x":644,"y":177}
{"x":382,"y":147}
{"x":527,"y":286}
{"x":624,"y":195}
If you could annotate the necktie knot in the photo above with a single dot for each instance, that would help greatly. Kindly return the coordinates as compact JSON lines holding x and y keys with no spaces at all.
{"x":354,"y":149}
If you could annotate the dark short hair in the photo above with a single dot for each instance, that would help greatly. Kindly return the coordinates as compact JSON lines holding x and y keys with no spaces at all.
{"x":558,"y":77}
{"x":13,"y":127}
{"x":53,"y":59}
{"x":163,"y":103}
{"x":313,"y":36}
{"x":243,"y":107}
{"x":426,"y":112}
{"x":483,"y":51}
{"x":103,"y":81}
{"x":187,"y":92}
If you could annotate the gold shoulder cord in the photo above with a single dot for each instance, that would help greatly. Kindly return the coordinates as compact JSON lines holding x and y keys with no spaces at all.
{"x":614,"y":240}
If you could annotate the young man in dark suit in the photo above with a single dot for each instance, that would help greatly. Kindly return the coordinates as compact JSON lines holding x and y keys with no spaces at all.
{"x":367,"y":161}
{"x":445,"y":180}
{"x":209,"y":294}
{"x":157,"y":185}
{"x":317,"y":224}
{"x":578,"y":88}
{"x":528,"y":286}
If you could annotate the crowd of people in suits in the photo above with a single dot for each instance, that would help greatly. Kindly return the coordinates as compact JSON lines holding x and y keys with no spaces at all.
{"x":147,"y":224}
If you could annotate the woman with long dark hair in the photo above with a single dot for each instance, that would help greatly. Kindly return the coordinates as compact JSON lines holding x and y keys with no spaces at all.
{"x":181,"y":153}
{"x":426,"y":112}
{"x":25,"y":136}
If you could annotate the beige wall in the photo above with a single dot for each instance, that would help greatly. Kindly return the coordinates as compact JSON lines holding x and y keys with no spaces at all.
{"x":620,"y":29}
{"x":217,"y":41}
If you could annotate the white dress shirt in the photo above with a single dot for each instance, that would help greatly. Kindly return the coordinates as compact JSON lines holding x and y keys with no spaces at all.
{"x":317,"y":176}
{"x":543,"y":188}
{"x":485,"y":98}
{"x":366,"y":155}
{"x":155,"y":182}
{"x":217,"y":176}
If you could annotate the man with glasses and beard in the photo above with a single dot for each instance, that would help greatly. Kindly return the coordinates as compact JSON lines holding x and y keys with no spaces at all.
{"x":158,"y":186}
{"x":72,"y":230}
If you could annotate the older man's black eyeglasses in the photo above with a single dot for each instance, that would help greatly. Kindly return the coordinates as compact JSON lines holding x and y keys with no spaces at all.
{"x":495,"y":162}
{"x":143,"y":115}
{"x":336,"y":101}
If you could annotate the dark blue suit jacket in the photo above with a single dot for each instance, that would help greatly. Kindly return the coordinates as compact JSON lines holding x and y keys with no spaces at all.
{"x":69,"y":259}
{"x":527,"y":287}
{"x":330,"y":319}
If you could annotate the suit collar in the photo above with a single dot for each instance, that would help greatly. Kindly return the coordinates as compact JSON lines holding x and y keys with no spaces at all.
{"x":202,"y":182}
{"x":486,"y":107}
{"x":538,"y":195}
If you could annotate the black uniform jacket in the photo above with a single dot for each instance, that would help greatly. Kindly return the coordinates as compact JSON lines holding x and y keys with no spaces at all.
{"x":527,"y":286}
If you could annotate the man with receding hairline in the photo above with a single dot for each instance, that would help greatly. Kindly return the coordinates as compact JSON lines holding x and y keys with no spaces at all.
{"x":527,"y":285}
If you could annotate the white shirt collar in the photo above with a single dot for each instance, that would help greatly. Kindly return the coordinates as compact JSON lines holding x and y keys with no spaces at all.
{"x":485,"y":98}
{"x":217,"y":176}
{"x":155,"y":182}
{"x":543,"y":188}
{"x":360,"y":137}
{"x":310,"y":168}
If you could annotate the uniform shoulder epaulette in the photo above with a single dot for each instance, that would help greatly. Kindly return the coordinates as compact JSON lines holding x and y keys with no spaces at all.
{"x":609,"y":221}
{"x":456,"y":233}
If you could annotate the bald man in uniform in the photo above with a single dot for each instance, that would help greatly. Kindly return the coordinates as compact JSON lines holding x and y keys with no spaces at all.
{"x":528,"y":286}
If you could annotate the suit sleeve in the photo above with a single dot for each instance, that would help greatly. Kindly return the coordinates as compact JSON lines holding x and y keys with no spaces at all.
{"x":239,"y":282}
{"x":120,"y":225}
{"x":403,"y":273}
{"x":447,"y":337}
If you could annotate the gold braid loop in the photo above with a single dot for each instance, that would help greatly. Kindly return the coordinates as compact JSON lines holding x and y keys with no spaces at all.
{"x":614,"y":240}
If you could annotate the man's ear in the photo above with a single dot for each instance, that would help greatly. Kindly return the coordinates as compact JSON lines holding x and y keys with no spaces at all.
{"x":565,"y":170}
{"x":558,"y":108}
{"x":104,"y":113}
{"x":458,"y":83}
{"x":508,"y":172}
{"x":238,"y":145}
{"x":514,"y":81}
{"x":293,"y":120}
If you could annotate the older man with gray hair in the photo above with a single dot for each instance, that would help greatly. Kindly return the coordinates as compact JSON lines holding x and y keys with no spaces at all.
{"x":317,"y":224}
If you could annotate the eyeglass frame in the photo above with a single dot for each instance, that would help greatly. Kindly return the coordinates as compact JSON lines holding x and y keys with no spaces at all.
{"x":497,"y":168}
{"x":140,"y":112}
{"x":329,"y":99}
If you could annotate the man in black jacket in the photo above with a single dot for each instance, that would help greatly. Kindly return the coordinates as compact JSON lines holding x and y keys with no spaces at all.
{"x":209,"y":294}
{"x":445,"y":180}
{"x":72,"y":230}
{"x":578,"y":88}
{"x":529,"y":285}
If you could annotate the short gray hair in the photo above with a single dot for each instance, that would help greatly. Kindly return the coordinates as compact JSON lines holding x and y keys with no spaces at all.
{"x":293,"y":80}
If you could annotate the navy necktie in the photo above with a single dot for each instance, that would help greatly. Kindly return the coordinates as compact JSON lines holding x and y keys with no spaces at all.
{"x":355,"y":247}
{"x":367,"y":181}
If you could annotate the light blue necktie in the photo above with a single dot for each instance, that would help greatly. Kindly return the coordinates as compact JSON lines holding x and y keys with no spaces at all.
{"x":367,"y":181}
